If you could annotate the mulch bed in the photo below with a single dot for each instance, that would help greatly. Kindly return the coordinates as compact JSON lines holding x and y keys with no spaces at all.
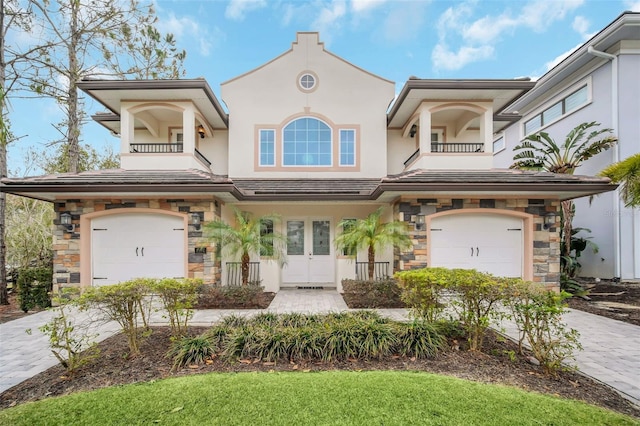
{"x":604,"y":292}
{"x":12,"y":310}
{"x":493,"y":366}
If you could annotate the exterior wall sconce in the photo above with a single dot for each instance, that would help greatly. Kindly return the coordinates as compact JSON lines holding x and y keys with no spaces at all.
{"x":65,"y":220}
{"x":200,"y":130}
{"x":419,"y":226}
{"x":413,"y":131}
{"x":550,"y":219}
{"x":195,"y":221}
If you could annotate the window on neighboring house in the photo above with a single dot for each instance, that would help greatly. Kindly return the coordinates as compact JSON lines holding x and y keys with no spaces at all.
{"x":557,"y":110}
{"x":498,"y":144}
{"x":348,"y":147}
{"x":266,"y":228}
{"x":267,"y":147}
{"x":347,"y":225}
{"x":306,"y":142}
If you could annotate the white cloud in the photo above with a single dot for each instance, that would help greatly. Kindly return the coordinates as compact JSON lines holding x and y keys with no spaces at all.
{"x":446,"y":59}
{"x":358,"y":6}
{"x":329,"y":18}
{"x":633,"y":6}
{"x":581,"y":26}
{"x":237,"y":9}
{"x":480,"y":35}
{"x":188,"y":31}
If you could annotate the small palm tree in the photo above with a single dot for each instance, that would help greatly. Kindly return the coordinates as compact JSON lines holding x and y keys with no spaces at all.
{"x":249,"y":236}
{"x":372,"y":234}
{"x":540,"y":152}
{"x":627,"y":174}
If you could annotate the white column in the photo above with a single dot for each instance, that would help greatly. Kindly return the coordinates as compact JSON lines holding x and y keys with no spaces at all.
{"x":189,"y":129}
{"x":126,"y":129}
{"x":425,"y":129}
{"x":486,"y":130}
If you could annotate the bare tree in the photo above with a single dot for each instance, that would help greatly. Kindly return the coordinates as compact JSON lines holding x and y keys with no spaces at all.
{"x":99,"y":39}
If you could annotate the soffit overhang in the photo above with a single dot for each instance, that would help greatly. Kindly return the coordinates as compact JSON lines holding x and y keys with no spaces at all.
{"x":499,"y":92}
{"x":111,"y":93}
{"x":495,"y":183}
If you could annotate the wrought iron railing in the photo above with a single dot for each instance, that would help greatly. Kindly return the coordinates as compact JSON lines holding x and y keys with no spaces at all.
{"x":155,"y":148}
{"x":201,"y":157}
{"x":412,"y":157}
{"x":464,"y":147}
{"x":234,"y":273}
{"x":380,"y":270}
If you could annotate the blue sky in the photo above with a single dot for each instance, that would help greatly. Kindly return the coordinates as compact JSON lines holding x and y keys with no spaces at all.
{"x":395,"y":39}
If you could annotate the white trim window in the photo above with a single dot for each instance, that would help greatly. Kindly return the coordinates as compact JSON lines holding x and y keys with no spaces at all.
{"x":498,"y":144}
{"x":267,"y":147}
{"x":347,"y":147}
{"x":558,"y":109}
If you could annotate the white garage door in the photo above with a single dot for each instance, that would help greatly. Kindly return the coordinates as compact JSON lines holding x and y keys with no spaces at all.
{"x":488,"y":243}
{"x":133,"y":245}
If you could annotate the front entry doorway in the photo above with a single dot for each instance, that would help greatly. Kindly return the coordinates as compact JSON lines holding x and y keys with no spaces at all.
{"x":310,"y":254}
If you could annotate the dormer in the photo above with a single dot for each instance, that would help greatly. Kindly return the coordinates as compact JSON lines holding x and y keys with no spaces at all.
{"x":163,"y":125}
{"x":449,"y":124}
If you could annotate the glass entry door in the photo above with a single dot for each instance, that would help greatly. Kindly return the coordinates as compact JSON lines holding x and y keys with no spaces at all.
{"x":310,"y":257}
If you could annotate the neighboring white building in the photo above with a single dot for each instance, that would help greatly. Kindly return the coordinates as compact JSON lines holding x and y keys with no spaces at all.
{"x":312,"y":138}
{"x":599,"y":81}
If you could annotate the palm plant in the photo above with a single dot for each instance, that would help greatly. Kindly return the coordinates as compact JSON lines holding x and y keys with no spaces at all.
{"x":540,"y":152}
{"x":373,"y":234}
{"x":627,"y":174}
{"x":250,"y":235}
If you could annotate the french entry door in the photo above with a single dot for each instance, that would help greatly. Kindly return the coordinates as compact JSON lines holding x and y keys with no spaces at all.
{"x":310,"y":256}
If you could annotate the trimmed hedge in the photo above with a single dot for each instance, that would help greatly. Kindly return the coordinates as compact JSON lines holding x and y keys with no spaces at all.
{"x":233,"y":297}
{"x":372,"y":294}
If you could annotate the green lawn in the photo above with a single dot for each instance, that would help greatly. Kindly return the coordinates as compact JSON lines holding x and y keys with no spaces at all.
{"x":327,"y":398}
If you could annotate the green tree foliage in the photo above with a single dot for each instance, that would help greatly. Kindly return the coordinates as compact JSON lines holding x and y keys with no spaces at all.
{"x":28,"y":233}
{"x":627,"y":174}
{"x":89,"y":159}
{"x":248,"y":236}
{"x":373,"y":234}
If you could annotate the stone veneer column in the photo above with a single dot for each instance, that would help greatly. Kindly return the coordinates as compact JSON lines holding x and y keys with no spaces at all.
{"x":66,"y":246}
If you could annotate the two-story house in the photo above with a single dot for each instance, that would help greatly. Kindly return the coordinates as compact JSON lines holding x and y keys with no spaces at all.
{"x":599,"y":81}
{"x":316,"y":140}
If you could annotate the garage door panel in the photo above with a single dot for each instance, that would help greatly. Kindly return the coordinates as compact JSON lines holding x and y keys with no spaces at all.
{"x":488,"y":243}
{"x":133,"y":245}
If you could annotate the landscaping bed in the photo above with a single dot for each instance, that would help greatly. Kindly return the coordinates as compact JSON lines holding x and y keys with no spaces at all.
{"x":619,"y":301}
{"x":381,"y":294}
{"x":498,"y":364}
{"x":233,"y":297}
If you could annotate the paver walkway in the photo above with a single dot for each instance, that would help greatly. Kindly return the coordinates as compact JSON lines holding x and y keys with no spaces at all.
{"x":611,"y":348}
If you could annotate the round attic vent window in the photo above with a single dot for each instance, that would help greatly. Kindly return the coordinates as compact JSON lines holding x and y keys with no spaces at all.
{"x":307,"y":81}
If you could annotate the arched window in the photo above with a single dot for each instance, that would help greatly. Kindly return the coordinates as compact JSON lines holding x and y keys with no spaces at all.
{"x":306,"y":142}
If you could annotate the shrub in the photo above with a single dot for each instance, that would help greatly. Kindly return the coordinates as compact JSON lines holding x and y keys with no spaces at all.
{"x":537,"y":313}
{"x":372,"y":294}
{"x":126,"y":303}
{"x":69,"y":341}
{"x":478,"y":295}
{"x":423,"y":290}
{"x":226,"y":297}
{"x":191,"y":350}
{"x":420,"y":339}
{"x":178,"y":298}
{"x":34,"y":286}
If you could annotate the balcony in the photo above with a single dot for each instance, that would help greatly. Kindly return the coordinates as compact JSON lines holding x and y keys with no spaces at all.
{"x":165,"y":148}
{"x":466,"y":147}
